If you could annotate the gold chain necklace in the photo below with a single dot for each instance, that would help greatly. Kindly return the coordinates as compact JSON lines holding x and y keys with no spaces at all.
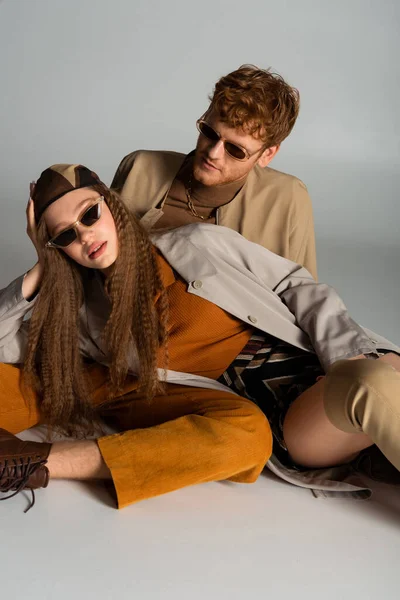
{"x":188,"y":192}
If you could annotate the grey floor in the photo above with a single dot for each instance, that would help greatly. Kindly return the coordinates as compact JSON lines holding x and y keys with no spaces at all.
{"x":217,"y":540}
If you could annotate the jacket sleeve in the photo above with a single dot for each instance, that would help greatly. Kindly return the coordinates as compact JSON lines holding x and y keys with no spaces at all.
{"x":302,"y":235}
{"x":124,"y":168}
{"x":321,"y":313}
{"x":139,"y":180}
{"x":13,"y":328}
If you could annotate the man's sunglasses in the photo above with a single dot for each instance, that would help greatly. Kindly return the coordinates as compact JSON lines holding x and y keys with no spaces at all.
{"x":235,"y":151}
{"x":88,"y":218}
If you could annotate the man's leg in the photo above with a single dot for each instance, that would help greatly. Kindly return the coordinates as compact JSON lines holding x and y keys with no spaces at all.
{"x":356,"y":405}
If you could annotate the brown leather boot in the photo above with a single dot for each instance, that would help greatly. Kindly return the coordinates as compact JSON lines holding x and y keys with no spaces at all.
{"x":22,"y":465}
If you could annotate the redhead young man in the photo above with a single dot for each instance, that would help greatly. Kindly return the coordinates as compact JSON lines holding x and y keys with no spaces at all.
{"x":227,"y":180}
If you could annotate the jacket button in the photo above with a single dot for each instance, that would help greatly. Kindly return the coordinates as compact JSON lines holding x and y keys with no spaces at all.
{"x":252,"y":319}
{"x":197,"y":284}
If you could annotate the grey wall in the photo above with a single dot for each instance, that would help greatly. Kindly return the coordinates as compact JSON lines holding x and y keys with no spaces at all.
{"x":90,"y":80}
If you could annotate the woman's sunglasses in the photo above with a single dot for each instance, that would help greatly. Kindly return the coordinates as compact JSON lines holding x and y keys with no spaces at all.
{"x":235,"y":151}
{"x":88,"y":218}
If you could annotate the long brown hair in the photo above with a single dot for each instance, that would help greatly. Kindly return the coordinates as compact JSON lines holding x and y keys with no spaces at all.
{"x":53,"y":363}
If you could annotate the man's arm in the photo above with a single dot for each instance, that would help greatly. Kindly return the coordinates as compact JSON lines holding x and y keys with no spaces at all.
{"x":321,"y":313}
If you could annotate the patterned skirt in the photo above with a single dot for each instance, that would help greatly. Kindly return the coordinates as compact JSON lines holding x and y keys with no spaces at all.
{"x":272,"y":374}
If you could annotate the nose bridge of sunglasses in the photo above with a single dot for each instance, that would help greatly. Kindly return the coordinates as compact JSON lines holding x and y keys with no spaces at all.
{"x":83,"y":234}
{"x":217,"y":147}
{"x":82,"y":230}
{"x":218,"y":141}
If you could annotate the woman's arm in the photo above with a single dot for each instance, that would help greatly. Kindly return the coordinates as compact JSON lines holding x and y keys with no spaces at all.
{"x":31,"y":282}
{"x":13,"y":329}
{"x":17,"y":299}
{"x":32,"y":279}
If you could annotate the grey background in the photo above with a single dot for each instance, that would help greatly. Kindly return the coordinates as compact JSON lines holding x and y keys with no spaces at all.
{"x":89,"y":81}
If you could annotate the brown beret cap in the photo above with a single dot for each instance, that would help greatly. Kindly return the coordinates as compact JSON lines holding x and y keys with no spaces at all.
{"x":58,"y":180}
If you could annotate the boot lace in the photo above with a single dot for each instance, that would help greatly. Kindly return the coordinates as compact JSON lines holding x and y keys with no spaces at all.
{"x":14,"y":475}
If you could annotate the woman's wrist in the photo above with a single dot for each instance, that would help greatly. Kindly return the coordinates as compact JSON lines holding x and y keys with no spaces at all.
{"x":31,"y":282}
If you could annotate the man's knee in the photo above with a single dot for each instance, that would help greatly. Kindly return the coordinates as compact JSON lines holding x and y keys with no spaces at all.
{"x":351,"y":385}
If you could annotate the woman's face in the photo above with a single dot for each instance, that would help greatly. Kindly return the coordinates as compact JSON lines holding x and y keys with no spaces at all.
{"x":95,"y":247}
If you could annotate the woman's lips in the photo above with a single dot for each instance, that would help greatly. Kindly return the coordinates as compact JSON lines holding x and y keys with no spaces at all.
{"x":96,"y":253}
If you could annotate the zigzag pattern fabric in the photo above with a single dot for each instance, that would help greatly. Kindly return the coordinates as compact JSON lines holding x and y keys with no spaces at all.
{"x":272,"y":374}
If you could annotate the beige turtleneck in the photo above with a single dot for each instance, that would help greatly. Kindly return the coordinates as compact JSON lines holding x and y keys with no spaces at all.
{"x":205,"y":199}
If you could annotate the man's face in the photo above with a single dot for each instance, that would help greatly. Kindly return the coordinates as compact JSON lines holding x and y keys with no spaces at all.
{"x":214,"y":166}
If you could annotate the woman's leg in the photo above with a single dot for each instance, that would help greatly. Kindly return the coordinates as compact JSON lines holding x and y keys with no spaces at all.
{"x":184,"y":437}
{"x":19,"y":407}
{"x":16,"y":411}
{"x":356,"y":405}
{"x":187,"y":436}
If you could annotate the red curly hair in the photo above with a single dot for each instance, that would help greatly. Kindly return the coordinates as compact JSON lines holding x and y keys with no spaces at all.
{"x":257,"y":101}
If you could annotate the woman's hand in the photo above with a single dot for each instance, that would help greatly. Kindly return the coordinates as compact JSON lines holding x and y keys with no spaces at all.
{"x":31,"y":228}
{"x":32,"y":279}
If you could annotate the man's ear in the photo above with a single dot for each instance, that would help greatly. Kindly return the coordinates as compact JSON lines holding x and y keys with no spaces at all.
{"x":268,"y":155}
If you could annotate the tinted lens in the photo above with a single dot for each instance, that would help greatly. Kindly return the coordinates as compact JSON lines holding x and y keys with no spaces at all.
{"x":65,"y":238}
{"x":208,"y":131}
{"x":235,"y":151}
{"x":92,"y":215}
{"x":211,"y":134}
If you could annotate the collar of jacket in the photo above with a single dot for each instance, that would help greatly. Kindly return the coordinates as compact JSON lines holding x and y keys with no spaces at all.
{"x":186,"y":263}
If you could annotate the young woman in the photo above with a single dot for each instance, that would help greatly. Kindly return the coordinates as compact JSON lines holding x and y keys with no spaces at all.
{"x":113,"y":315}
